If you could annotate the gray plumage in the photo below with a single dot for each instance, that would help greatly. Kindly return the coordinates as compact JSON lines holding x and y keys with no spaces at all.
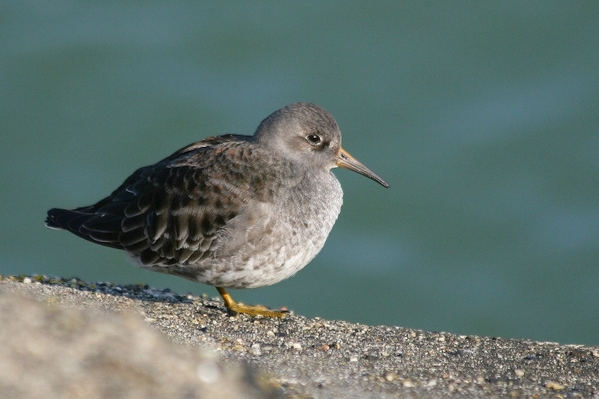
{"x":229,"y":211}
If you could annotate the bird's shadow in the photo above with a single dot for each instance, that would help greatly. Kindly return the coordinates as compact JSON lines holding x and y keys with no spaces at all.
{"x":138,"y":291}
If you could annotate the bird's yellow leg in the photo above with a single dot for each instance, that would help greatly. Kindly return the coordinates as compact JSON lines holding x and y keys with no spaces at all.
{"x":235,"y":308}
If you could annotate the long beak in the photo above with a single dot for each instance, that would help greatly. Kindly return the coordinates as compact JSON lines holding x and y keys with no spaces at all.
{"x":345,"y":160}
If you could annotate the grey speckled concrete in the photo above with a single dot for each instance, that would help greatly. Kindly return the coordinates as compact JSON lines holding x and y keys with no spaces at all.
{"x":300,"y":357}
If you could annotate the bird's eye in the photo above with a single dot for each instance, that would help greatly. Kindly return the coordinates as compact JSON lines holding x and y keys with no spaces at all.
{"x":314,"y":139}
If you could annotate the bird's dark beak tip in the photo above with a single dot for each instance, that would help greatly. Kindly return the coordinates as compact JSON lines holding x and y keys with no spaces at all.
{"x":380,"y":181}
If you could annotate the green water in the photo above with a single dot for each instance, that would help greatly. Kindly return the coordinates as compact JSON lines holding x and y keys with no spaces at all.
{"x":483,"y":117}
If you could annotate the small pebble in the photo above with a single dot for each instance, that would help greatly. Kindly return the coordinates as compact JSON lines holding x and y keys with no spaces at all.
{"x":519,"y":373}
{"x":554,"y":385}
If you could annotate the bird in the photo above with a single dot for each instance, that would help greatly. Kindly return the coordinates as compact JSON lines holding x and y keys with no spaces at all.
{"x":230,"y":211}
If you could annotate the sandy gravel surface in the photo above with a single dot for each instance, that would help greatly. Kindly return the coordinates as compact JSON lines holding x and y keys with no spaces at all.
{"x":294,"y":357}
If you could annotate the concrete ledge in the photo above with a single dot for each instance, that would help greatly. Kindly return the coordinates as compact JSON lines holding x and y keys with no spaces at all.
{"x":79,"y":339}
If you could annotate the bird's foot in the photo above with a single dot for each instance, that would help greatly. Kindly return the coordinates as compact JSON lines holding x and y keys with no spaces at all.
{"x":235,"y":308}
{"x":254,"y":310}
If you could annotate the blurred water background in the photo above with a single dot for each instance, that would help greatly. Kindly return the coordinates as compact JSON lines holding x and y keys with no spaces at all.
{"x":483,"y":117}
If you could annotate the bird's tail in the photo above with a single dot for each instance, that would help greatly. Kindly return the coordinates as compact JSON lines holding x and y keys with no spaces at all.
{"x":75,"y":221}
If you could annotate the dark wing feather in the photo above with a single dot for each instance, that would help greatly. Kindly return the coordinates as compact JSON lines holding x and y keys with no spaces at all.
{"x":172,"y":212}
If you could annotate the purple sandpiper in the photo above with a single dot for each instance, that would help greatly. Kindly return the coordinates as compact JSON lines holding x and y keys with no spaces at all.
{"x":229,"y":211}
